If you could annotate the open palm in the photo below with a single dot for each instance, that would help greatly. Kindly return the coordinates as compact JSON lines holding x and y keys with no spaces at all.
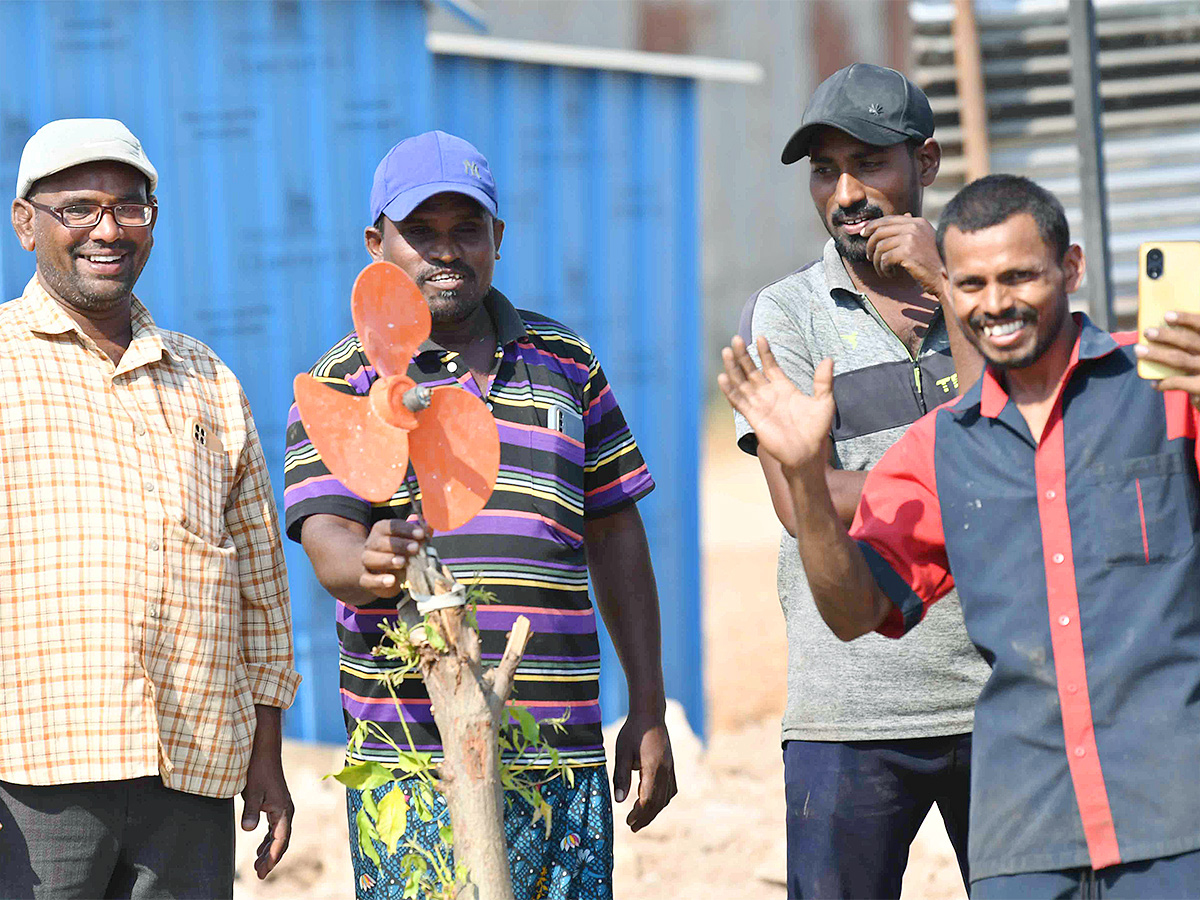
{"x":789,"y":424}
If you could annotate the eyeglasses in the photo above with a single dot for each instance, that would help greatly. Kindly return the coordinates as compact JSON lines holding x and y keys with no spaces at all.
{"x":88,"y":215}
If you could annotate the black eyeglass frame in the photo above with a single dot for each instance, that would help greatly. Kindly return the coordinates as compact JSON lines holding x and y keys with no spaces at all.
{"x":57,"y":212}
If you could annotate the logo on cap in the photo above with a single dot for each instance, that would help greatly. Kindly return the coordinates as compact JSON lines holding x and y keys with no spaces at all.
{"x":875,"y":109}
{"x":471,"y":168}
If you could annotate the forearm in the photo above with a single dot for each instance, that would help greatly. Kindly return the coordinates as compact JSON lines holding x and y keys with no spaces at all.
{"x":843,"y":588}
{"x":268,"y":731}
{"x":845,"y":489}
{"x":627,"y":597}
{"x":335,"y":548}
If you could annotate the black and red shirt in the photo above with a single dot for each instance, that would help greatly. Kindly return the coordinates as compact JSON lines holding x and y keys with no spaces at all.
{"x":1077,"y":563}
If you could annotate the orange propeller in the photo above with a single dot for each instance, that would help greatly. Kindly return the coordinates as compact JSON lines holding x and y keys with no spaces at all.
{"x":366,"y":442}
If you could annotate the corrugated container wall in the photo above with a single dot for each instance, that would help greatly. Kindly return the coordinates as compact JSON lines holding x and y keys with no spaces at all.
{"x":266,"y":122}
{"x":597,"y":175}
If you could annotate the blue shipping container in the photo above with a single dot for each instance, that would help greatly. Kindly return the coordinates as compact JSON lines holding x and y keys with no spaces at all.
{"x":596,"y":172}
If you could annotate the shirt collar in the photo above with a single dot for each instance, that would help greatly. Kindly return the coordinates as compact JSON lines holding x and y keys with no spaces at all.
{"x":836,"y":275}
{"x":510,"y":327}
{"x":45,"y":315}
{"x":989,"y":395}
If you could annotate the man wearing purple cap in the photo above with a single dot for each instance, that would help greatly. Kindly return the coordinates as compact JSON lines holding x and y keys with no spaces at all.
{"x":872,"y":737}
{"x":564,"y":508}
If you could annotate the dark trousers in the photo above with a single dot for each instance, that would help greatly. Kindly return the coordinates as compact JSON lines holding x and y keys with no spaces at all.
{"x":853,"y":809}
{"x":1167,"y":878}
{"x":113,"y":839}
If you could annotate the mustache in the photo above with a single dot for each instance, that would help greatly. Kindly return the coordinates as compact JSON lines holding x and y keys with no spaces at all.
{"x":457,"y":267}
{"x":859,"y":210}
{"x":101,"y":247}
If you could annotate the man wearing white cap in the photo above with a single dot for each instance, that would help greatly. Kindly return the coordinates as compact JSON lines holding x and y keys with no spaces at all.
{"x":143,"y":600}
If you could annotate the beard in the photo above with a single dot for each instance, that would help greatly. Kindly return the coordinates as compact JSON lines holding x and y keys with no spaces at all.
{"x":447,"y":307}
{"x":851,"y":247}
{"x":1029,"y":317}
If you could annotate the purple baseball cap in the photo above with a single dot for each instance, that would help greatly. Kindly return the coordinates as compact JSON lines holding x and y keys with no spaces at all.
{"x":430,"y":163}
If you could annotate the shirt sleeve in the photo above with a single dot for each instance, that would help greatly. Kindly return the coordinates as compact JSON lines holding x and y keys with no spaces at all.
{"x":266,"y":623}
{"x":898,"y":526}
{"x":308,"y":486}
{"x":763,"y":317}
{"x":614,"y":473}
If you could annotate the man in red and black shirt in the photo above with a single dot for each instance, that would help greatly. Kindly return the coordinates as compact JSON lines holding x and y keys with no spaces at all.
{"x":1060,"y":496}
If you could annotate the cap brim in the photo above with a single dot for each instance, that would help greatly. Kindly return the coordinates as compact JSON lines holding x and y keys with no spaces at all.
{"x":30,"y":179}
{"x":868,"y":132}
{"x":404,"y":203}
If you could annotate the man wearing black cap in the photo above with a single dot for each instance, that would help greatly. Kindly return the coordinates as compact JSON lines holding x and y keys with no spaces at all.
{"x":872,"y":737}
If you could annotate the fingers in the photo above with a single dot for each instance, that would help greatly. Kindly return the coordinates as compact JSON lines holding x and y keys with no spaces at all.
{"x":252,"y":800}
{"x":389,"y":545}
{"x":275,"y":843}
{"x":656,"y":787}
{"x":823,"y":380}
{"x":623,"y":766}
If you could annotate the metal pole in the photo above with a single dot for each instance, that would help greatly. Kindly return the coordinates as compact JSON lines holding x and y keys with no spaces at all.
{"x":972,"y":103}
{"x":1085,"y":78}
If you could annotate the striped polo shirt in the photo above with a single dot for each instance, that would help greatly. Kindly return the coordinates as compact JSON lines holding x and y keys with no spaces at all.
{"x":566,"y":455}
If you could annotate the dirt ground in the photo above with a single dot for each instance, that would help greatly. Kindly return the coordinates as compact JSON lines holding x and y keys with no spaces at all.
{"x":723,"y":835}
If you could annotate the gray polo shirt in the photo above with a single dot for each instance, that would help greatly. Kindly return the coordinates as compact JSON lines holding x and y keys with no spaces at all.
{"x":873,"y":688}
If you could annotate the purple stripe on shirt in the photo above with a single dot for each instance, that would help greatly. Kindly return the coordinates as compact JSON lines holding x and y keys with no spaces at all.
{"x":484,"y":560}
{"x":630,"y":487}
{"x":541,"y":622}
{"x":599,"y":406}
{"x":325,"y":486}
{"x":586,"y":714}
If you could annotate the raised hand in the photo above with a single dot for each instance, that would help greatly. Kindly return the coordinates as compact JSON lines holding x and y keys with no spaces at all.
{"x":906,"y":243}
{"x":790,"y":425}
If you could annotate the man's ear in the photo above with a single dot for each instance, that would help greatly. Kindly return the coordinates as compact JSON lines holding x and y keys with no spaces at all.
{"x":929,"y":161}
{"x":373,"y":238}
{"x":22,"y":222}
{"x":1074,"y":266}
{"x":498,"y":231}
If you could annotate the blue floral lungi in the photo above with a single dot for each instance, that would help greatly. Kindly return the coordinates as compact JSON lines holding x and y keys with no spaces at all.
{"x":574,"y":863}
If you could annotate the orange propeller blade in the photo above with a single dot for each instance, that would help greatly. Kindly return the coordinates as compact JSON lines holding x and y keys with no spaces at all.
{"x":363,"y":452}
{"x":456,"y":452}
{"x":390,"y":317}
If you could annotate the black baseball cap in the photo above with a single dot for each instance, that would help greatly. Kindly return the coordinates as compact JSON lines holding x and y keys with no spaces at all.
{"x":875,"y":105}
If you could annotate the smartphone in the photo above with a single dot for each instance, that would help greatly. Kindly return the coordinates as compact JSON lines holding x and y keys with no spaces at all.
{"x":1168,"y":279}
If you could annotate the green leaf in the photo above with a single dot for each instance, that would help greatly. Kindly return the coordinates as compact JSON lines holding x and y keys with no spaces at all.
{"x":369,"y":805}
{"x":434,"y":636}
{"x":570,"y":774}
{"x":364,"y":776}
{"x":393,"y":818}
{"x":446,"y":833}
{"x":414,"y":763}
{"x":365,"y":830}
{"x":529,"y":726}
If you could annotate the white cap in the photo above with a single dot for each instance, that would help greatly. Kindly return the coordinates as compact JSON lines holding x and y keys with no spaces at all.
{"x":64,"y":143}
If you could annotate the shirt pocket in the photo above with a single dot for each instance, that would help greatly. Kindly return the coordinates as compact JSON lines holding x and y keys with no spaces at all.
{"x":556,"y":471}
{"x":205,"y":478}
{"x":1146,"y":509}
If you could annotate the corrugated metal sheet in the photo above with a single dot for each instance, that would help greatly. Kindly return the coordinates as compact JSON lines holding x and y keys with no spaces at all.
{"x":597,"y":174}
{"x":266,"y":121}
{"x":1149,"y":63}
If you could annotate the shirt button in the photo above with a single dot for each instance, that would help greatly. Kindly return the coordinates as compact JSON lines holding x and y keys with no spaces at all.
{"x":1050,"y":495}
{"x":1079,"y":751}
{"x":152,"y":610}
{"x":139,"y":428}
{"x":154,"y":545}
{"x":452,"y":366}
{"x":1072,"y":688}
{"x":489,"y":405}
{"x":150,"y":486}
{"x":1064,"y":620}
{"x":1058,"y":557}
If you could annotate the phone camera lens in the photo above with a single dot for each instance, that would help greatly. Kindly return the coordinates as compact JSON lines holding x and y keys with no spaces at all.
{"x":1154,"y":263}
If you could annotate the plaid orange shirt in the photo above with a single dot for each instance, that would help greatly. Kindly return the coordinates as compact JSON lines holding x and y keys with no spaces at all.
{"x":143,"y":597}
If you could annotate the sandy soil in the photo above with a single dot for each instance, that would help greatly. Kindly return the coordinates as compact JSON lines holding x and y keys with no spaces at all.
{"x":723,"y":835}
